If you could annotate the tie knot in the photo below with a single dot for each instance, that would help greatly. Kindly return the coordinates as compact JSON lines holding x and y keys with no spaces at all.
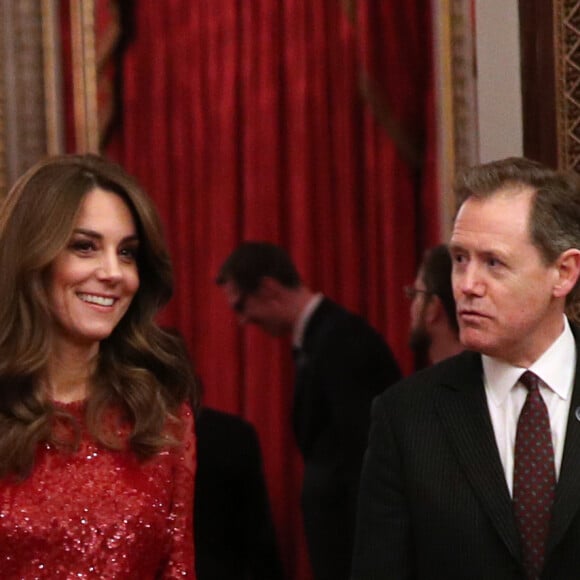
{"x":530,"y":380}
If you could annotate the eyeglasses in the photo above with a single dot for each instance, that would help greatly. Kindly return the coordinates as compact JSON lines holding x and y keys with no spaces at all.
{"x":411,"y":292}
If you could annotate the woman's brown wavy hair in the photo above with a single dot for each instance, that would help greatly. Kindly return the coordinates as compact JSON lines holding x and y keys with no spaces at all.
{"x":141,"y":369}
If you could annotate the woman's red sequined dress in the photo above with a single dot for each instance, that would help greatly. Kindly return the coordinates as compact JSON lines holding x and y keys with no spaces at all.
{"x":98,"y":513}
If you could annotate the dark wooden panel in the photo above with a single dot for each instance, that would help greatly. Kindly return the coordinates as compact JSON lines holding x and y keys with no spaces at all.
{"x":538,"y":81}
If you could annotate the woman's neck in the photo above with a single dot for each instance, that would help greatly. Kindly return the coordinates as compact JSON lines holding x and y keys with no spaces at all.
{"x":68,"y":373}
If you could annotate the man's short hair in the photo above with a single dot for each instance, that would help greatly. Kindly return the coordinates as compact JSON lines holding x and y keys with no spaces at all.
{"x":250,"y":262}
{"x":436,"y":274}
{"x":555,"y":215}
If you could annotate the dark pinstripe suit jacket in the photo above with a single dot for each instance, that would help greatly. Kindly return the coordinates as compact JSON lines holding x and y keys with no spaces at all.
{"x":433,"y":499}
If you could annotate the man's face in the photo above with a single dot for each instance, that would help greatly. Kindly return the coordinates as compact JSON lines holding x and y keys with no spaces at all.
{"x":259,"y":308}
{"x":503,"y":289}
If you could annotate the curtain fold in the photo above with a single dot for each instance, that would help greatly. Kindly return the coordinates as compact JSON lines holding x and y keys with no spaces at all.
{"x":250,"y":120}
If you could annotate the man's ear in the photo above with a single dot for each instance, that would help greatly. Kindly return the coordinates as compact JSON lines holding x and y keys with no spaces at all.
{"x":568,"y":270}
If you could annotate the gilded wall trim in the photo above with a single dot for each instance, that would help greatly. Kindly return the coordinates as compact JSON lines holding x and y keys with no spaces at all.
{"x":456,"y":96}
{"x":567,"y":70}
{"x":465,"y":126}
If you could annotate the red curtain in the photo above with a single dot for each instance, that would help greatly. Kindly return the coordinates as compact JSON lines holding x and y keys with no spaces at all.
{"x":308,"y":124}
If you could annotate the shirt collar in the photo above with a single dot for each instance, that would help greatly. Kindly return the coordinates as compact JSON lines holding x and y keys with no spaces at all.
{"x":302,"y":321}
{"x":553,"y":367}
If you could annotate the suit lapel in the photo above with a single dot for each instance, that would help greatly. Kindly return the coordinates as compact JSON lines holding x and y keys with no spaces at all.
{"x":463,"y":411}
{"x":567,"y":502}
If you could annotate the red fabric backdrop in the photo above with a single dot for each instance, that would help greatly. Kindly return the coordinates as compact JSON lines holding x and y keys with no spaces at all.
{"x":308,"y":124}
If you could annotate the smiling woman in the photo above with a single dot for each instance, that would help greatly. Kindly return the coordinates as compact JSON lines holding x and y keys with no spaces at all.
{"x":92,"y":282}
{"x":96,"y":438}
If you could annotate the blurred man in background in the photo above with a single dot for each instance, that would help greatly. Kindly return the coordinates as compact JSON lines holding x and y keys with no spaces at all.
{"x":341,"y":365}
{"x":434,"y":333}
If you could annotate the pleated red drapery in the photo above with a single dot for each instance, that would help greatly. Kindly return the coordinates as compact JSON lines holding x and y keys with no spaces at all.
{"x":307,"y":124}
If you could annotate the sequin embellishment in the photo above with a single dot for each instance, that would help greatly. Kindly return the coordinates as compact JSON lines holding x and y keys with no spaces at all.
{"x":100,"y":514}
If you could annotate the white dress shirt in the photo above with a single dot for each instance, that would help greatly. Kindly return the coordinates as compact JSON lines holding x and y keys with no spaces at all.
{"x":506,"y":397}
{"x":302,"y":321}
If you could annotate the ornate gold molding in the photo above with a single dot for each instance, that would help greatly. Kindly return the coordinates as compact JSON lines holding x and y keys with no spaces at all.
{"x":567,"y":67}
{"x":567,"y":71}
{"x":456,"y":97}
{"x":465,"y":126}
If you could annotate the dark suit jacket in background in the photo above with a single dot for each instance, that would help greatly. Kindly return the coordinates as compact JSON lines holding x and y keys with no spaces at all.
{"x":343,"y":365}
{"x":434,"y":502}
{"x":233,"y":530}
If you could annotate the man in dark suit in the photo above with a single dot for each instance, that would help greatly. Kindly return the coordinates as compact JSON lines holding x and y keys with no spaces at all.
{"x":473,"y":465}
{"x":234,"y":533}
{"x":341,"y":365}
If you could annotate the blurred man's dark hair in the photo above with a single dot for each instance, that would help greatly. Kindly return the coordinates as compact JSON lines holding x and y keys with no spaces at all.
{"x":436,"y":274}
{"x":252,"y":261}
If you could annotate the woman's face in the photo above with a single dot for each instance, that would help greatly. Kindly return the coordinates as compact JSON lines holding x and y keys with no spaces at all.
{"x":94,"y":279}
